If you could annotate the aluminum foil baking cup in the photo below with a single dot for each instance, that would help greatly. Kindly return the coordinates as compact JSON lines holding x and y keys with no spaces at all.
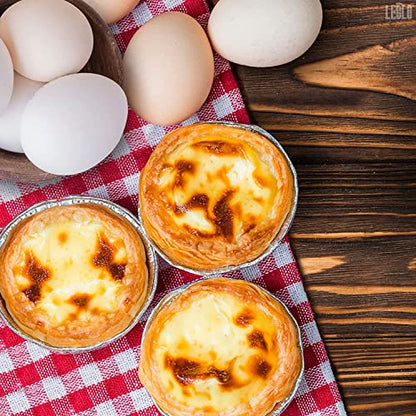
{"x":121,"y":212}
{"x":166,"y":300}
{"x":284,"y":229}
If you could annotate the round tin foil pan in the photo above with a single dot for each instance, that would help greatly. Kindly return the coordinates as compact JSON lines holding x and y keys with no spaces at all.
{"x":75,"y":200}
{"x":167,"y":299}
{"x":280,"y":235}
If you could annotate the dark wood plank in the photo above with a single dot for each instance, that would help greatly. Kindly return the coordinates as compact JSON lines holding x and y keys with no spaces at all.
{"x":378,"y":373}
{"x":280,"y":121}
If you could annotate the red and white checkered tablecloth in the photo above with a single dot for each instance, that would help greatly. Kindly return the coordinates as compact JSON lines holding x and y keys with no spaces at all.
{"x":34,"y":381}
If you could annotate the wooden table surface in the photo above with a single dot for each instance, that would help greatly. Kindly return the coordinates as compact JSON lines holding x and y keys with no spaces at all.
{"x":346,"y":113}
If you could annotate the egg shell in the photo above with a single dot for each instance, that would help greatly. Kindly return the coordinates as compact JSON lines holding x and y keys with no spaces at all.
{"x":169,"y":69}
{"x":73,"y":123}
{"x":46,"y":38}
{"x":6,"y":77}
{"x":264,"y":33}
{"x":113,"y":10}
{"x":11,"y":118}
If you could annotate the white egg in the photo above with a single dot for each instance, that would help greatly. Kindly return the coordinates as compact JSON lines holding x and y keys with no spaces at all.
{"x":6,"y":77}
{"x":11,"y":118}
{"x":73,"y":123}
{"x":46,"y":38}
{"x":113,"y":10}
{"x":264,"y":33}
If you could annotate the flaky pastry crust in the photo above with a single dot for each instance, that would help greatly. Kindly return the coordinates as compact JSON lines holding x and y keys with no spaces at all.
{"x":213,"y":196}
{"x":222,"y":347}
{"x":73,"y":276}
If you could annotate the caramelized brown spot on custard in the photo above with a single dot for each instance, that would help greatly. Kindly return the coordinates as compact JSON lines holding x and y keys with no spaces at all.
{"x":218,"y":147}
{"x":38,"y":274}
{"x":62,"y":238}
{"x":80,"y":300}
{"x":256,"y":340}
{"x":245,"y":318}
{"x":182,"y":167}
{"x":187,"y":371}
{"x":249,"y":228}
{"x":223,"y":376}
{"x":224,"y":216}
{"x":33,"y":293}
{"x":117,"y":271}
{"x":197,"y":201}
{"x":261,"y":367}
{"x":104,"y":258}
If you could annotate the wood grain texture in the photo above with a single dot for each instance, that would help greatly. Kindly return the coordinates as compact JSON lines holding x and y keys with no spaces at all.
{"x":377,"y":373}
{"x":346,"y":113}
{"x":105,"y":60}
{"x":380,"y":68}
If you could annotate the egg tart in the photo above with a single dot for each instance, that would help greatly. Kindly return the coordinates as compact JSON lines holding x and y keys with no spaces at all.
{"x":221,"y":347}
{"x":214,"y":195}
{"x":73,"y":276}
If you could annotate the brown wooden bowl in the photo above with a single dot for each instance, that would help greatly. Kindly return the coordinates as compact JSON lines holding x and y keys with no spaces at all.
{"x":105,"y":60}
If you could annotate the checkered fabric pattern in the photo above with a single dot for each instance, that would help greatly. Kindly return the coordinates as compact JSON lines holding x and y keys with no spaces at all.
{"x":34,"y":381}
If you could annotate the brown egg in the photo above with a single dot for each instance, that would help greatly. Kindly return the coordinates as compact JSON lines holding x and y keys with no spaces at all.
{"x":169,"y":69}
{"x":113,"y":10}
